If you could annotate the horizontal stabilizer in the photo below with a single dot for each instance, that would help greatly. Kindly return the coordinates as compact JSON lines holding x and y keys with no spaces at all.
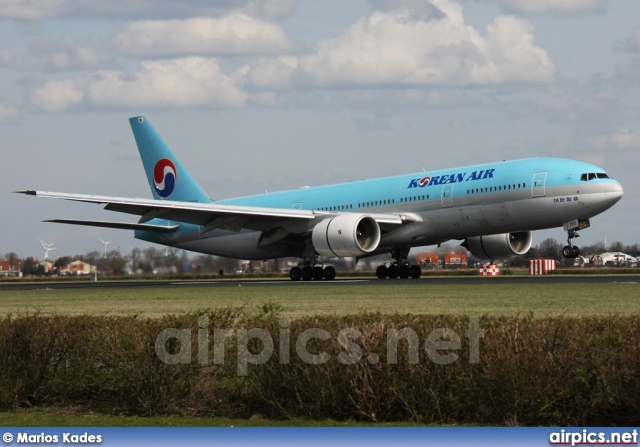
{"x":119,"y":225}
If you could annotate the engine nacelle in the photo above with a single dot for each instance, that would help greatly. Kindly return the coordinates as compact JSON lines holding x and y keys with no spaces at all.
{"x":346,"y":235}
{"x":499,"y":246}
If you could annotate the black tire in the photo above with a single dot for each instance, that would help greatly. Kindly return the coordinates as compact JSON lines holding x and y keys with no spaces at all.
{"x":404,"y":271}
{"x":307,"y":273}
{"x":393,"y":271}
{"x":415,"y":271}
{"x":329,"y":273}
{"x":317,"y":273}
{"x":295,"y":274}
{"x":567,"y":251}
{"x":382,"y":272}
{"x":575,"y":252}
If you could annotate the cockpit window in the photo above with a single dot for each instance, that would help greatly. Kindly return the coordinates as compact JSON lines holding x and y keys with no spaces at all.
{"x":592,"y":175}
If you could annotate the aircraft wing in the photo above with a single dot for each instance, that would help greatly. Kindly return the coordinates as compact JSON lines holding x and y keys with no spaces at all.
{"x":209,"y":215}
{"x":118,"y":225}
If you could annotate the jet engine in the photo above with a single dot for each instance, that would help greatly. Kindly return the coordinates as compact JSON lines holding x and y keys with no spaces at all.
{"x":346,"y":235}
{"x":499,"y":246}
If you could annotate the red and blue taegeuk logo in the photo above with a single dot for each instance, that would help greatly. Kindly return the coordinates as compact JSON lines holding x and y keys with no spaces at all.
{"x":165,"y":177}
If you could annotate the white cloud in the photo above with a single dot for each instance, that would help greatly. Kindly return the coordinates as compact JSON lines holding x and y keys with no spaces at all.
{"x":629,"y":71}
{"x":47,"y":9}
{"x":6,"y":57}
{"x":270,"y":8}
{"x":30,"y":10}
{"x":269,"y":73}
{"x":235,"y":34}
{"x":395,"y":48}
{"x":58,"y":96}
{"x":8,"y":111}
{"x":553,"y":7}
{"x":631,"y":43}
{"x":191,"y":82}
{"x":622,"y":139}
{"x":65,"y":54}
{"x":51,"y":54}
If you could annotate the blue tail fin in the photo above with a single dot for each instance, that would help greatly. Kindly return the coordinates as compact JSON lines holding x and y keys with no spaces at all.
{"x":167,"y":177}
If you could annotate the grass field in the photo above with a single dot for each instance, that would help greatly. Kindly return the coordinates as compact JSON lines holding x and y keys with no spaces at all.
{"x":541,"y":300}
{"x":58,"y":417}
{"x":504,"y":365}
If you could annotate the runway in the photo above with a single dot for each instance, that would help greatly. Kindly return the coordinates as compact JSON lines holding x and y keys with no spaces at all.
{"x":365,"y":282}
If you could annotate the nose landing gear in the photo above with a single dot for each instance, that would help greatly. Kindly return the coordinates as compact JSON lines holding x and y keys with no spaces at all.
{"x":571,"y":251}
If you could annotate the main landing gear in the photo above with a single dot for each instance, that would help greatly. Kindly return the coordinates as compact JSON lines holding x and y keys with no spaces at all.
{"x":308,"y":273}
{"x":400,"y":268}
{"x":394,"y":271}
{"x":570,"y":250}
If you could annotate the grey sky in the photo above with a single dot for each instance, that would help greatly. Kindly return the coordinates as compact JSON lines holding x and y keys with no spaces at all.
{"x":276,"y":94}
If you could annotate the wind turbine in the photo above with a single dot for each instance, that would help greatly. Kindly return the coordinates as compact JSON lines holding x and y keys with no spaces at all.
{"x":105,"y":246}
{"x":47,"y":248}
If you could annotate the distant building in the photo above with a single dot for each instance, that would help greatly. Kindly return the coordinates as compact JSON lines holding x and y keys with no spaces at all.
{"x":77,"y":268}
{"x":8,"y":268}
{"x":616,"y":259}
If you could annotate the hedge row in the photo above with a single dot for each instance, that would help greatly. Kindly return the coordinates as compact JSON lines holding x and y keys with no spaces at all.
{"x":554,"y":371}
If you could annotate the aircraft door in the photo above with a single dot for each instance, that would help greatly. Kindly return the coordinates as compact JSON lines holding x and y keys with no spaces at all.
{"x":447,"y":195}
{"x":538,"y":184}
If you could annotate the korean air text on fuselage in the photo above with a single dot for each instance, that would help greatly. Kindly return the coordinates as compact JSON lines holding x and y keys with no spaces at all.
{"x":458,"y":177}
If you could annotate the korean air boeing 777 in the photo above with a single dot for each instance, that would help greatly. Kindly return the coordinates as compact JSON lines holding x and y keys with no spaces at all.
{"x":492,"y":207}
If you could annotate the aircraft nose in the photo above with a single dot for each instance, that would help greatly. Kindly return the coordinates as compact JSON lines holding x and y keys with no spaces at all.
{"x":613,"y":191}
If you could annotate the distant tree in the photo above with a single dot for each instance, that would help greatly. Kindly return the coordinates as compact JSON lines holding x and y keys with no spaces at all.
{"x":116,"y":262}
{"x":204,"y":263}
{"x":518,"y":261}
{"x":92,"y":257}
{"x":228,"y":265}
{"x":171,"y":259}
{"x":590,"y":250}
{"x":11,"y":257}
{"x":616,"y":246}
{"x":633,"y":250}
{"x":135,"y":259}
{"x":31,"y":267}
{"x":550,"y":249}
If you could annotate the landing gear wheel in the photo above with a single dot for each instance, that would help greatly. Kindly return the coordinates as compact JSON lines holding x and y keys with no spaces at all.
{"x":307,"y":273}
{"x":404,"y":271}
{"x":329,"y":273}
{"x":295,"y":273}
{"x":317,"y":273}
{"x":393,"y":271}
{"x":415,"y":271}
{"x":570,"y":250}
{"x":382,"y":272}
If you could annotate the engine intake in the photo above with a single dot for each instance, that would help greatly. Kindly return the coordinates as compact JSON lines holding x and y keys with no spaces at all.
{"x":346,"y":235}
{"x":499,"y":246}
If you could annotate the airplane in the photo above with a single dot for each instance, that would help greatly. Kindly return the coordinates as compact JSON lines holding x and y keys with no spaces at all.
{"x":493,"y":208}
